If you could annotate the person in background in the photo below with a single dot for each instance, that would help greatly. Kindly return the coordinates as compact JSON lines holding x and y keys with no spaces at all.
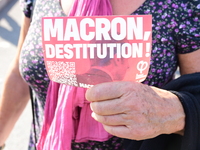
{"x":141,"y":112}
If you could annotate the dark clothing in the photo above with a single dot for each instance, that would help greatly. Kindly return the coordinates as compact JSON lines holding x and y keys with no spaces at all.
{"x":187,"y":88}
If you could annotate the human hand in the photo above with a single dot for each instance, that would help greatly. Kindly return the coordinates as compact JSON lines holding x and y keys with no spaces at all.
{"x":135,"y":111}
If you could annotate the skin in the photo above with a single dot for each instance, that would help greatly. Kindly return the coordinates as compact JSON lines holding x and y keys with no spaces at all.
{"x":127,"y":112}
{"x":119,"y":106}
{"x":15,"y":94}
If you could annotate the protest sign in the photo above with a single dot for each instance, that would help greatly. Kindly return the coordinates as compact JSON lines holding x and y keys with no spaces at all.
{"x":84,"y":51}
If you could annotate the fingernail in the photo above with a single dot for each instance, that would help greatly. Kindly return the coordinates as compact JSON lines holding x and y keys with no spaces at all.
{"x":91,"y":106}
{"x":93,"y":115}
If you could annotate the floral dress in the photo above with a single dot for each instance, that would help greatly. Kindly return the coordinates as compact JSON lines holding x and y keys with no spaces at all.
{"x":175,"y":28}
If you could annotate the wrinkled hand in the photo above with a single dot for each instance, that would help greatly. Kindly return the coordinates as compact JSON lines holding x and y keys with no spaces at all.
{"x":134,"y":110}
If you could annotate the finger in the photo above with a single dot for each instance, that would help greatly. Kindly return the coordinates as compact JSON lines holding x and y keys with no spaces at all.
{"x":128,"y":132}
{"x":109,"y":107}
{"x":105,"y":91}
{"x":119,"y":131}
{"x":112,"y":120}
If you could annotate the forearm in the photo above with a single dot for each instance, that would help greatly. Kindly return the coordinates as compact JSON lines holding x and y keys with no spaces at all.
{"x":173,"y":114}
{"x":187,"y":89}
{"x":15,"y":93}
{"x":180,"y":125}
{"x":13,"y":100}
